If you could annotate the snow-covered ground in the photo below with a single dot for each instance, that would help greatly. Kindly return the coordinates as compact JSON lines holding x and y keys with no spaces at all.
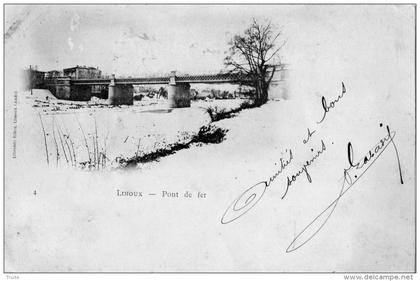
{"x":94,"y":134}
{"x":102,"y":231}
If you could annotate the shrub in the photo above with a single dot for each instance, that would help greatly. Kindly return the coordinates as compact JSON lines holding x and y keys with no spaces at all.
{"x":217,"y":114}
{"x":210,"y":134}
{"x":246,"y":105}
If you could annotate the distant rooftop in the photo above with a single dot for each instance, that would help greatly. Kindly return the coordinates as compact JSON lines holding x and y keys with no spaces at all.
{"x":80,"y":67}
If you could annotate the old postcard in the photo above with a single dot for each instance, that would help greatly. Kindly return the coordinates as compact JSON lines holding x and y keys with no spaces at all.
{"x":209,"y":138}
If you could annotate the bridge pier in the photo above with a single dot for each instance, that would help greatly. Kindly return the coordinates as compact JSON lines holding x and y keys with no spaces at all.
{"x":60,"y":88}
{"x":63,"y":89}
{"x":120,"y":94}
{"x":178,"y":93}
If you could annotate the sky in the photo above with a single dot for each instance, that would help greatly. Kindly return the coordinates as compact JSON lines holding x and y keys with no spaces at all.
{"x":130,"y":40}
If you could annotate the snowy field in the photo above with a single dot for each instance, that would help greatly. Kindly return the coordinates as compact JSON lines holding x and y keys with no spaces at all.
{"x":94,"y":135}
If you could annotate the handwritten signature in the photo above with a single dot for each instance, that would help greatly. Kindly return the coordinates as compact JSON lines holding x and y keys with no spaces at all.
{"x":355,"y":170}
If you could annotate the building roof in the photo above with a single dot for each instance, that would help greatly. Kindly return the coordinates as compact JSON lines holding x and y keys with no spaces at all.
{"x":79,"y":67}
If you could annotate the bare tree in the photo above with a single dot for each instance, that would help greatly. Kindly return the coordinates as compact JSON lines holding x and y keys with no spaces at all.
{"x":252,"y":55}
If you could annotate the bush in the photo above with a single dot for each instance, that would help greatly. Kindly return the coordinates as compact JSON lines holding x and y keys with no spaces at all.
{"x":210,"y":134}
{"x":217,"y":114}
{"x":246,"y":105}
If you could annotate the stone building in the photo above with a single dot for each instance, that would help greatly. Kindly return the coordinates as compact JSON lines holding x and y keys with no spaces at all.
{"x":53,"y":74}
{"x":82,"y":72}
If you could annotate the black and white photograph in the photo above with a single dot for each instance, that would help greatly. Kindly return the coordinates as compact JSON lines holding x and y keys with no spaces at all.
{"x":209,"y":138}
